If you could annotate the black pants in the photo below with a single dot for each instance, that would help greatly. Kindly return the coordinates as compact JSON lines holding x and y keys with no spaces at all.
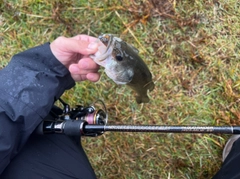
{"x":52,"y":156}
{"x":231,"y":166}
{"x":57,"y":156}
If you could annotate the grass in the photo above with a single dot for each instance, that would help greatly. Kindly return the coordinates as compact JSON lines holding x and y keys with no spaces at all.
{"x":192,"y":49}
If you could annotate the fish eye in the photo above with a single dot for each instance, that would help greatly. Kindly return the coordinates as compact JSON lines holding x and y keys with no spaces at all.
{"x":119,"y":57}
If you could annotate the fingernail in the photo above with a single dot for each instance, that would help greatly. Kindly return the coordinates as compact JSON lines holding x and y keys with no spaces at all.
{"x":92,"y":46}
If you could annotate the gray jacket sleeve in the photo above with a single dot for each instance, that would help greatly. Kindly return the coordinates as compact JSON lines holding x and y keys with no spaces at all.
{"x":29,"y":85}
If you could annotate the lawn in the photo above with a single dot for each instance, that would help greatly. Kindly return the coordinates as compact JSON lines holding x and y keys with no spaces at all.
{"x":192,"y":49}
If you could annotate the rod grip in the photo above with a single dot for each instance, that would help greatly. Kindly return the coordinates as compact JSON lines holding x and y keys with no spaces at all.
{"x":73,"y":127}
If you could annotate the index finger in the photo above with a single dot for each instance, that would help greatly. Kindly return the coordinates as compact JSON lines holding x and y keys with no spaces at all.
{"x":87,"y":38}
{"x":82,"y":44}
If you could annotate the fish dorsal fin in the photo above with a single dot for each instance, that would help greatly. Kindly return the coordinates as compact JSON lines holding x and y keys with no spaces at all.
{"x":133,"y":48}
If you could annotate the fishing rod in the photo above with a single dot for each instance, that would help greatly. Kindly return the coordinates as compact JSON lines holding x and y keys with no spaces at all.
{"x":82,"y":128}
{"x":90,"y":121}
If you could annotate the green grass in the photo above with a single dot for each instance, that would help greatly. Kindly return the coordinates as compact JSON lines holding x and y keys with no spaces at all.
{"x":192,"y":49}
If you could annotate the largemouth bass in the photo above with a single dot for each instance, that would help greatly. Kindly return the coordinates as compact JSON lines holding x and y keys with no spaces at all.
{"x":124,"y":66}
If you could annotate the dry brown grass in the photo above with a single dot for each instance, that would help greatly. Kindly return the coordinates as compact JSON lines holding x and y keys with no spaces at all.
{"x":192,"y":49}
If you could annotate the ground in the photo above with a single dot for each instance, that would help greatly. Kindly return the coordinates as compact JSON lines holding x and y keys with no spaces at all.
{"x":192,"y":49}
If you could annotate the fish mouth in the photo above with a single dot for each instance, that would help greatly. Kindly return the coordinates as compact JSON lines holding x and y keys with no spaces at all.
{"x":106,"y":39}
{"x":108,"y":44}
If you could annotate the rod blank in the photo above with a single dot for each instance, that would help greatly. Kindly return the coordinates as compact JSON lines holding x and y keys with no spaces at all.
{"x":164,"y":129}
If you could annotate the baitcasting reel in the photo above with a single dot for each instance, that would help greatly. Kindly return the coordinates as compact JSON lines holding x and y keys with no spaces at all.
{"x":89,"y":114}
{"x":73,"y":121}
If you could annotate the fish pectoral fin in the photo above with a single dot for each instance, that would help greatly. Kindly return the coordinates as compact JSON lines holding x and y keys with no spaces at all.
{"x":142,"y":99}
{"x":120,"y":82}
{"x":118,"y":79}
{"x":124,"y":77}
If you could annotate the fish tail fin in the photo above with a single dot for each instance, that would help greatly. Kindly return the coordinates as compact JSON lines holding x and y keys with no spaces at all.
{"x":142,"y":99}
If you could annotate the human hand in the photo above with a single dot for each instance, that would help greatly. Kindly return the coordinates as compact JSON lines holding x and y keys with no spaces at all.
{"x":74,"y":54}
